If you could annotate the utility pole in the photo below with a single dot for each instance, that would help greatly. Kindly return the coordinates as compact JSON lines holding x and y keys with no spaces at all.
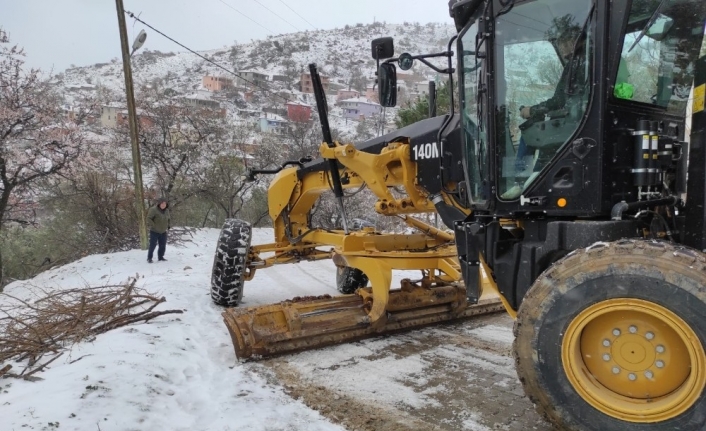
{"x":132,"y":120}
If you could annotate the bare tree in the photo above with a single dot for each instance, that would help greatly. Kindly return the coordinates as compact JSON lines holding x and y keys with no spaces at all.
{"x":35,"y":141}
{"x":370,"y":127}
{"x":97,"y":194}
{"x":220,"y":177}
{"x":221,"y":182}
{"x":172,"y":136}
{"x":234,"y":55}
{"x":303,"y":138}
{"x":292,"y":72}
{"x":357,"y":80}
{"x":270,"y":151}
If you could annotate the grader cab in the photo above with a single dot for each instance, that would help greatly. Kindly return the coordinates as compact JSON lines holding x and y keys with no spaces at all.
{"x":573,"y":177}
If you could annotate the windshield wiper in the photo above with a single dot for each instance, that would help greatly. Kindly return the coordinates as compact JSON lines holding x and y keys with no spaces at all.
{"x":651,"y":21}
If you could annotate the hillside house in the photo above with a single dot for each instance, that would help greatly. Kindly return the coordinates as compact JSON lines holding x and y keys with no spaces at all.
{"x":143,"y":118}
{"x":306,"y":86}
{"x":248,"y":114}
{"x":77,"y":114}
{"x":272,"y":123}
{"x":357,"y":108}
{"x":79,"y":87}
{"x":249,"y":78}
{"x":346,"y":94}
{"x":217,"y":83}
{"x":333,"y":88}
{"x":202,"y":100}
{"x":282,"y":112}
{"x":109,"y":115}
{"x":298,"y":112}
{"x":420,"y":88}
{"x":287,"y":95}
{"x":409,"y":77}
{"x":371,"y":93}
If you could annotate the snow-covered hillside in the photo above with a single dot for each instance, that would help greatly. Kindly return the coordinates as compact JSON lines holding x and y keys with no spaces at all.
{"x":334,"y":51}
{"x":341,"y":55}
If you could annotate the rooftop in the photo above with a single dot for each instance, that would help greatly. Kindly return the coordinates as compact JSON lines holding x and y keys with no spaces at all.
{"x":297,"y":102}
{"x":273,"y":117}
{"x":360,"y":100}
{"x":252,"y":71}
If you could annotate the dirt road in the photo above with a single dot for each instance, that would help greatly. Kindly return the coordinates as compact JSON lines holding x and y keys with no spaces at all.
{"x":452,"y":377}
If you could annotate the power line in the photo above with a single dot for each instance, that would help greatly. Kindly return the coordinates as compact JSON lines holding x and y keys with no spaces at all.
{"x":273,"y":13}
{"x":132,"y":15}
{"x":246,"y":16}
{"x":298,"y":14}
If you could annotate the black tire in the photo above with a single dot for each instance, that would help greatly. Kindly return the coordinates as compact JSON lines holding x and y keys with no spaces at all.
{"x":606,"y":283}
{"x":348,"y":279}
{"x":230,"y":263}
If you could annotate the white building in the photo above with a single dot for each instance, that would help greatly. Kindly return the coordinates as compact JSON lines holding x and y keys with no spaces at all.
{"x":359,"y":107}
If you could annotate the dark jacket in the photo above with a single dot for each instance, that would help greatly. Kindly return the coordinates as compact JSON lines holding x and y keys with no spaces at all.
{"x":573,"y":67}
{"x":158,"y":219}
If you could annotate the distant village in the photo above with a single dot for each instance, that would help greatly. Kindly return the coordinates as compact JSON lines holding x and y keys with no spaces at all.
{"x":294,"y":106}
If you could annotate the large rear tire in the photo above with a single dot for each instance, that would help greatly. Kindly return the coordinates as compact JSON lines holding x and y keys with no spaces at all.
{"x":349,"y":279}
{"x":230,"y":263}
{"x":611,"y":338}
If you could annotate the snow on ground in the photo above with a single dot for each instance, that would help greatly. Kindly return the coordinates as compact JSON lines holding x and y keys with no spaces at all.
{"x":178,"y":372}
{"x":381,"y":379}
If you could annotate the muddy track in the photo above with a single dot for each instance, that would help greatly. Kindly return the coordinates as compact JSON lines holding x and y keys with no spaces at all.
{"x":448,"y":377}
{"x":350,"y":412}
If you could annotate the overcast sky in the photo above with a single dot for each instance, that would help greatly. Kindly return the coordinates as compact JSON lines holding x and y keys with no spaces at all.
{"x":58,"y":33}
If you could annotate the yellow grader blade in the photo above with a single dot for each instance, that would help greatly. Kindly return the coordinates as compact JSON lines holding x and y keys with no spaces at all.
{"x":303,"y":324}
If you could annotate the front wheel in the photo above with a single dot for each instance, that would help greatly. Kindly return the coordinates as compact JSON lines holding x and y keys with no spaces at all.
{"x":230,"y":263}
{"x":611,"y":338}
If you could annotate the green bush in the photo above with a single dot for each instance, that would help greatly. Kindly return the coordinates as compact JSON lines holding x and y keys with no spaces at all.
{"x":27,"y":251}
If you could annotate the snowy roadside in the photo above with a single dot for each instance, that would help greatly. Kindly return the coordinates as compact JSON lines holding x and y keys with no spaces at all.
{"x":177,"y":372}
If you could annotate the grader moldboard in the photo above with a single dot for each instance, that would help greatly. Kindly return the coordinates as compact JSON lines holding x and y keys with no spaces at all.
{"x":564,"y":177}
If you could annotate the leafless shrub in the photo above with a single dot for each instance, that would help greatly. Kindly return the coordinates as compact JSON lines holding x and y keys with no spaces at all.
{"x":39,"y":331}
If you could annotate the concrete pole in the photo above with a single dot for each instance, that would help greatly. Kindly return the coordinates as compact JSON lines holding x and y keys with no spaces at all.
{"x":132,"y":120}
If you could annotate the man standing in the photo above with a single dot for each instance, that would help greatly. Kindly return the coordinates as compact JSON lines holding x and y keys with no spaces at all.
{"x":159,"y":222}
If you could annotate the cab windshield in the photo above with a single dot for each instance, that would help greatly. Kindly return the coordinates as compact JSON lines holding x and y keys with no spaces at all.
{"x":662,"y":41}
{"x":542,"y":68}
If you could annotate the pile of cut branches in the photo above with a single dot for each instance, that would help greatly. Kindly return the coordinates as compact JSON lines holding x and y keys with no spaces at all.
{"x":37,"y":332}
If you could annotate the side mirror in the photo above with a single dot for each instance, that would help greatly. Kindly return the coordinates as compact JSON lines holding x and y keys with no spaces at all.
{"x":406,"y":61}
{"x":383,"y":48}
{"x":387,"y":85}
{"x":659,"y":29}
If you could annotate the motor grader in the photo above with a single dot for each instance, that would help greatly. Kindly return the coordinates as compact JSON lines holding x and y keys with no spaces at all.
{"x":576,"y":193}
